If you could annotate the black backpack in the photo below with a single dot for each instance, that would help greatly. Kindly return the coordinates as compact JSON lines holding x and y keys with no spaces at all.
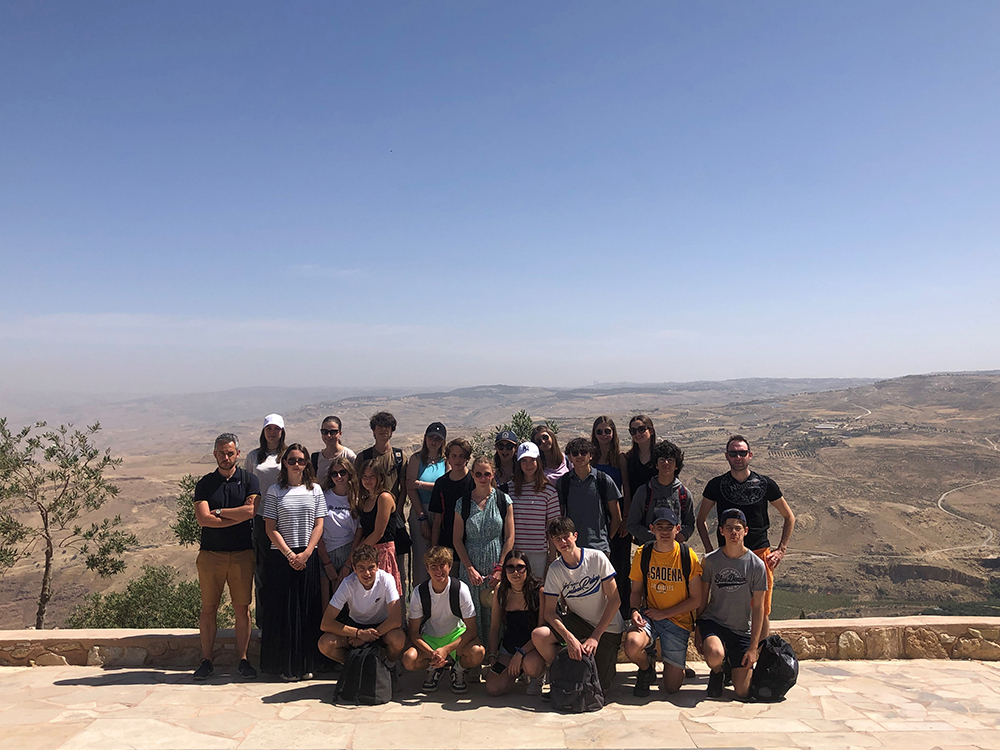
{"x":424,"y":589}
{"x":365,"y":679}
{"x":603,"y":483}
{"x":776,"y":672}
{"x":647,"y":555}
{"x":573,"y":685}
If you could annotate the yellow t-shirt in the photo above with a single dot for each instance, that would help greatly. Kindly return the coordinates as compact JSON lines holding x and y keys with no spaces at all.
{"x":665,"y":582}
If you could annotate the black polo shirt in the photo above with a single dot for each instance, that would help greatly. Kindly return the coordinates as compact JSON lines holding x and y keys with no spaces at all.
{"x":220,"y":492}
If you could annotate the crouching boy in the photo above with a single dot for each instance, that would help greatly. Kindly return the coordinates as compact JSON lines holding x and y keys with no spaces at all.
{"x":584,"y":580}
{"x":442,"y":625}
{"x":666,"y":591}
{"x":374,"y":611}
{"x":732,"y":610}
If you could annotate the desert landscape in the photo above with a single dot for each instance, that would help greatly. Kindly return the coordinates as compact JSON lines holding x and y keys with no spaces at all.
{"x":894,"y":483}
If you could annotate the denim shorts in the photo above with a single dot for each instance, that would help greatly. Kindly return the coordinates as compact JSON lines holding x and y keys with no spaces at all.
{"x":673,"y":640}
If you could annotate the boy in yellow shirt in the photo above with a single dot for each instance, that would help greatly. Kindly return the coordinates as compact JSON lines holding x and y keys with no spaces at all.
{"x":665,"y":594}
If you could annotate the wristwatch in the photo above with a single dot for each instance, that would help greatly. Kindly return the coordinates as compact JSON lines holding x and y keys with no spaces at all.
{"x":218,"y":512}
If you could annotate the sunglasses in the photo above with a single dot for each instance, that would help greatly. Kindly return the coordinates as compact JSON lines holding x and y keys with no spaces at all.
{"x":483,"y":474}
{"x":296,"y":461}
{"x":339,"y":473}
{"x":737,"y":454}
{"x":516,"y":568}
{"x":577,"y":454}
{"x":505,"y":446}
{"x":637,"y":430}
{"x":604,"y":432}
{"x":328,"y":433}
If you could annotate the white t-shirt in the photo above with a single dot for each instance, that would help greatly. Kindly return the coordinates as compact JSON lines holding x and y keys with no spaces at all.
{"x":323,"y":463}
{"x":267,"y":472}
{"x":581,"y":586}
{"x":339,"y":525}
{"x":295,"y":510}
{"x":367,"y":606}
{"x":442,"y":620}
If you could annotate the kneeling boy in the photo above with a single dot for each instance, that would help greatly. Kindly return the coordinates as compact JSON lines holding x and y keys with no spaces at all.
{"x":732,"y":610}
{"x":665,"y":595}
{"x":585,"y":580}
{"x":374,"y":614}
{"x":443,"y":625}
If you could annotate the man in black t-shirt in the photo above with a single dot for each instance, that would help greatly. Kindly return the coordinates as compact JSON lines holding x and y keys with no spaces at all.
{"x":223,"y":507}
{"x":752,"y":494}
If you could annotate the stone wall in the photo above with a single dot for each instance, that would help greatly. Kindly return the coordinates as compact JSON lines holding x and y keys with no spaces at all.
{"x":872,"y":638}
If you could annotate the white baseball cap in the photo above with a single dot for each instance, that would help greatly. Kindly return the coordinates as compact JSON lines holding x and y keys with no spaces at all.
{"x":527,"y":450}
{"x":274,"y":419}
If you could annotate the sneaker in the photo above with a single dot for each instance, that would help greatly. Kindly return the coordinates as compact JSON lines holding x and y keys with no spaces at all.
{"x":458,"y":685}
{"x":247,"y":672}
{"x":689,"y":674}
{"x":307,"y":676}
{"x":727,"y":673}
{"x":715,"y":684}
{"x":643,"y":679}
{"x":289,"y":678}
{"x":534,"y":686}
{"x":432,"y":680}
{"x":202,"y":672}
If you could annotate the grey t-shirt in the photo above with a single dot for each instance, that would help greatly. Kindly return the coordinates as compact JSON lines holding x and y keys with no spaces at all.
{"x":731,"y":585}
{"x":583,"y":505}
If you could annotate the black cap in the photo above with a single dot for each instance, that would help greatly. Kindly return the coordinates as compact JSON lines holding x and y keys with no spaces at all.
{"x":732,"y":513}
{"x":665,"y":513}
{"x":436,"y":428}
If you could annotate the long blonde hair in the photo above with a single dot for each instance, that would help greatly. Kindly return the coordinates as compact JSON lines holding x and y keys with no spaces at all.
{"x":353,"y":493}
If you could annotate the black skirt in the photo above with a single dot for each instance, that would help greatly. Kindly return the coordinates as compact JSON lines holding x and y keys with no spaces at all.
{"x":292,"y":612}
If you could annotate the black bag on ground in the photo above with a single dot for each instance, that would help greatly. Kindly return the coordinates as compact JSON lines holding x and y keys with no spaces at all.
{"x":365,"y":679}
{"x":776,"y":672}
{"x":573,"y":685}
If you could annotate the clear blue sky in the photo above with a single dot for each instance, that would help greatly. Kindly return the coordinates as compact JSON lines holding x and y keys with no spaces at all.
{"x":203,"y":195}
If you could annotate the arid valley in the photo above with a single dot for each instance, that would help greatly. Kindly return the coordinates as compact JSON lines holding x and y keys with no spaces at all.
{"x":895,"y":483}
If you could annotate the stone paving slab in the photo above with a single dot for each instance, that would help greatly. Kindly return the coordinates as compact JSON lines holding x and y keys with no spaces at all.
{"x":906,"y":705}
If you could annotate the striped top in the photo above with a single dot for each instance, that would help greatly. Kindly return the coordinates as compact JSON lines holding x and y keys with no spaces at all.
{"x":295,"y":510}
{"x":532,"y":513}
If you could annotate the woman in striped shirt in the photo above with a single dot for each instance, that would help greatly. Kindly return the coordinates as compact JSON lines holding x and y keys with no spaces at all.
{"x":294,"y":508}
{"x":535,"y":504}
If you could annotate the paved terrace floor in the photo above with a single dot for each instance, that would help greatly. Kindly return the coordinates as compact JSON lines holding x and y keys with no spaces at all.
{"x":910,"y":705}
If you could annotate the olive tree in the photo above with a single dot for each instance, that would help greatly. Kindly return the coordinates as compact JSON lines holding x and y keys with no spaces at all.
{"x":49,"y":479}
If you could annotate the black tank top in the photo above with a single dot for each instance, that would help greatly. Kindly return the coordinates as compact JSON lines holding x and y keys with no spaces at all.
{"x":639,"y":474}
{"x":517,"y":628}
{"x":368,"y":519}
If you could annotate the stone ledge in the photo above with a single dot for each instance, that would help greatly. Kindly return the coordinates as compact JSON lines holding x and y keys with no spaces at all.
{"x":877,"y":638}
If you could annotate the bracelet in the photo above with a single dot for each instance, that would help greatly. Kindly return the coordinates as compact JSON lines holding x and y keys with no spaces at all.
{"x":497,"y":568}
{"x":421,"y":518}
{"x":519,"y":650}
{"x":290,"y":555}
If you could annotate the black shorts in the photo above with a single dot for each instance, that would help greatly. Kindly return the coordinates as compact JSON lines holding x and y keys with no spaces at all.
{"x":735,"y":644}
{"x":345,"y":619}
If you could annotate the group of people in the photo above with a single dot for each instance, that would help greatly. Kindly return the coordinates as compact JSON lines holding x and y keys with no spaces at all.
{"x":501,"y":559}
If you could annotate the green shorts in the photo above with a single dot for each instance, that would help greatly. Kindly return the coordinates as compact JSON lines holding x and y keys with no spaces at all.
{"x":436,"y":642}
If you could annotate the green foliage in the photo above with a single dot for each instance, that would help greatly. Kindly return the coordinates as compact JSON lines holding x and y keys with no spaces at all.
{"x":186,"y":529}
{"x":48,"y":480}
{"x":153,"y":600}
{"x":520,"y":424}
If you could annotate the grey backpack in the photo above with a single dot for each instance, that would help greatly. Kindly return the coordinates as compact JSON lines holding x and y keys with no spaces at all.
{"x":573,"y":685}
